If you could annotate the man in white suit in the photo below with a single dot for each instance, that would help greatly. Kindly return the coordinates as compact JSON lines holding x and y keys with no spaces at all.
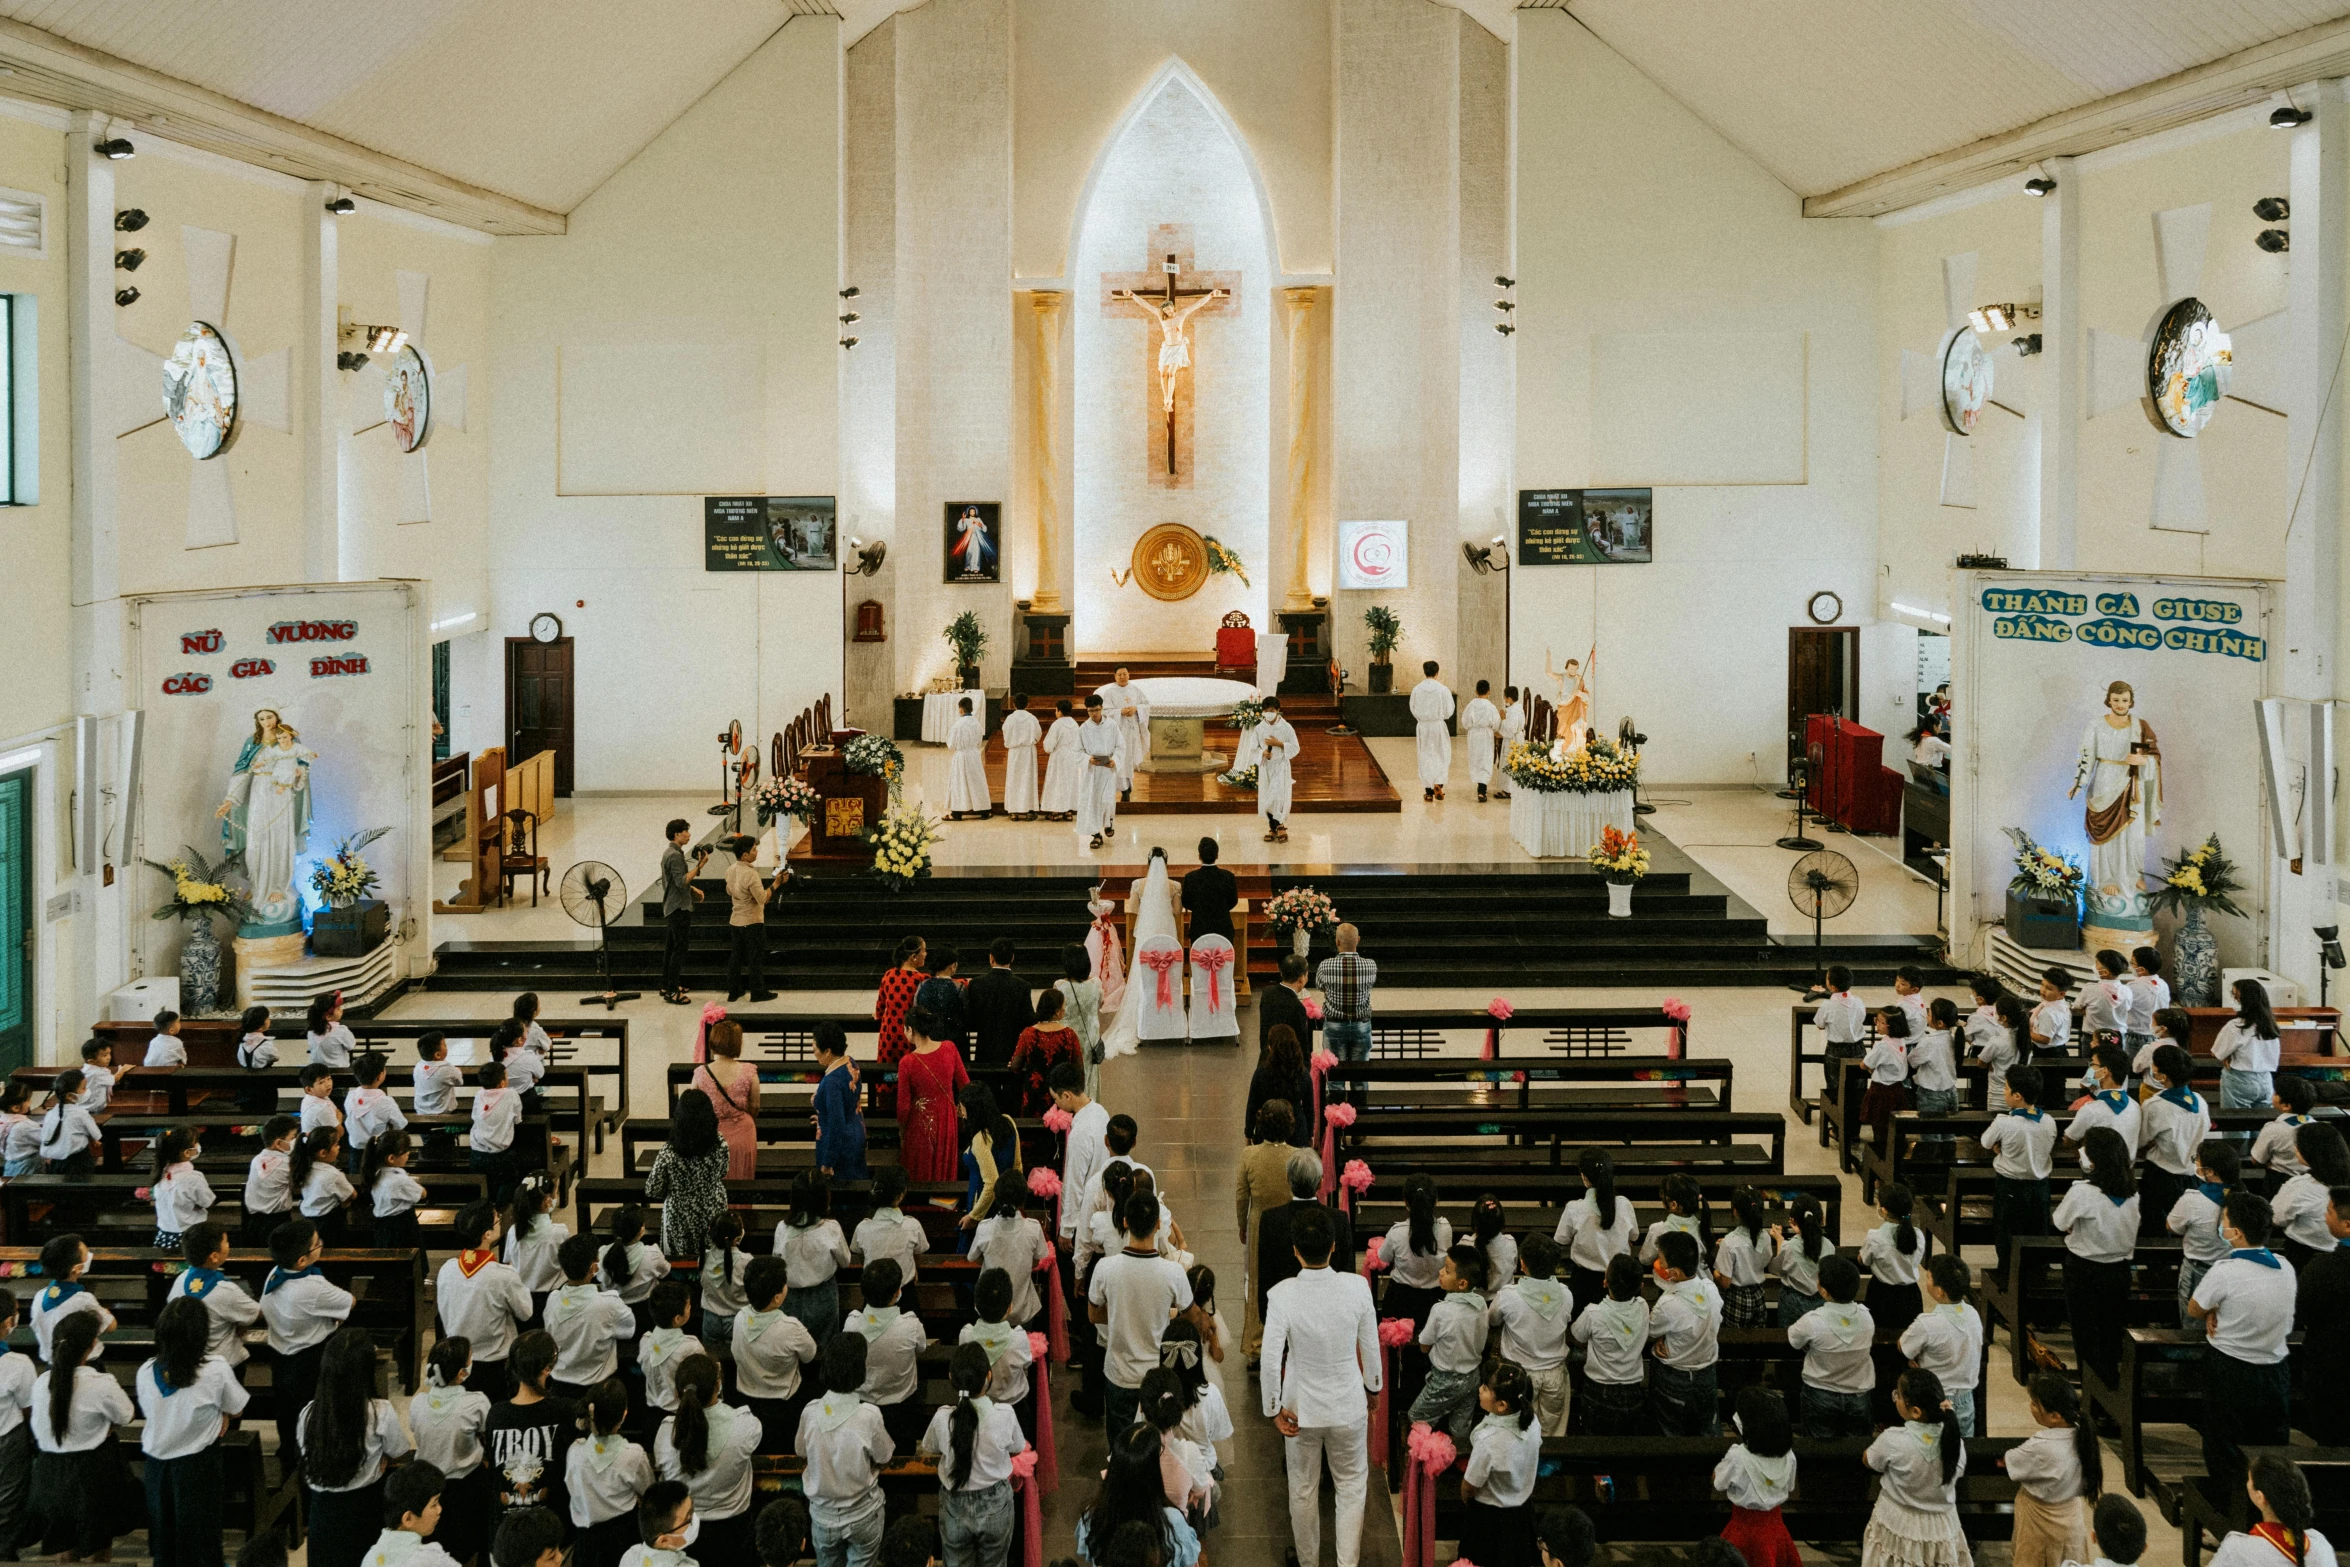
{"x":1321,"y":1362}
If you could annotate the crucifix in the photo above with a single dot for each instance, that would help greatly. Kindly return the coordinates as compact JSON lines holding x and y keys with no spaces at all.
{"x":1166,"y":300}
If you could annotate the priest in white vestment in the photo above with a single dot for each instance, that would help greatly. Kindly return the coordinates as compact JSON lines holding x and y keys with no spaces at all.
{"x":967,"y":764}
{"x":1129,"y":712}
{"x":1513,"y":728}
{"x":1480,"y":725}
{"x":1064,"y":767}
{"x":1097,"y":797}
{"x":1021,"y":733}
{"x":1276,"y":749}
{"x":1431,"y":706}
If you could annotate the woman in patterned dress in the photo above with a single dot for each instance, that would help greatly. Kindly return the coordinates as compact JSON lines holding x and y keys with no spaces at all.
{"x":897,"y":999}
{"x":930,"y":1144}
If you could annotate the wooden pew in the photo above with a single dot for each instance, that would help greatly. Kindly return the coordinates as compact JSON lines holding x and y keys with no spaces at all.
{"x":445,"y":1192}
{"x":1551,"y":1033}
{"x":787,"y":1141}
{"x":2161,"y":1383}
{"x":1439,"y":1136}
{"x":2029,"y":1291}
{"x":595,"y":1197}
{"x":1532,"y":1082}
{"x":240,"y":1130}
{"x":1533,"y":1198}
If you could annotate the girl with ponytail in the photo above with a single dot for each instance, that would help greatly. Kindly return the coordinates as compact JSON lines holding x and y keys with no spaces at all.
{"x":2099,"y":1218}
{"x":606,"y":1476}
{"x":2195,"y":1217}
{"x":1489,"y":1227}
{"x":708,"y":1445}
{"x":188,"y":1397}
{"x":2280,"y":1491}
{"x":533,"y":1238}
{"x":1743,"y":1260}
{"x":1684,"y":1211}
{"x":1414,"y":1254}
{"x":1801,"y":1245}
{"x":631,"y":1268}
{"x":1893,"y":1253}
{"x":78,"y":1470}
{"x":315,"y":1174}
{"x":1596,"y":1227}
{"x":183,"y":1198}
{"x":2058,"y":1473}
{"x":1186,"y":1471}
{"x":974,"y":1439}
{"x":392,"y":1195}
{"x":448,"y":1419}
{"x":1915,"y":1521}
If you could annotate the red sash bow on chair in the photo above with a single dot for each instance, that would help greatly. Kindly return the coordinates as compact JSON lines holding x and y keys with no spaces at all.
{"x":1163,"y":965}
{"x":1215,"y":960}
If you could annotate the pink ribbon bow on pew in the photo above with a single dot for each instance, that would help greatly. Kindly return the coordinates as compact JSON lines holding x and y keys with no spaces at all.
{"x":1428,"y":1454}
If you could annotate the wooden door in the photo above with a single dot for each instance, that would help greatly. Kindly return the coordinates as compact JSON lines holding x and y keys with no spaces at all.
{"x":16,"y":921}
{"x":538,"y":703}
{"x":1823,"y":676}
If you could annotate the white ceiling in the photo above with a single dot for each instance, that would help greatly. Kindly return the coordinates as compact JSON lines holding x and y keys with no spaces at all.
{"x":537,"y":101}
{"x":1826,"y":92}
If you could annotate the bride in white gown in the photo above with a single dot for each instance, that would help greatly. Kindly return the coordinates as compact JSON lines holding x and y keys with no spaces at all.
{"x":1154,"y":917}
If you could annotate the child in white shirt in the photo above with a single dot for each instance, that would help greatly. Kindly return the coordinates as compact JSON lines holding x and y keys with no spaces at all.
{"x":890,"y":1232}
{"x":317,"y":1107}
{"x":2293,"y":1099}
{"x":1757,"y":1474}
{"x":1684,"y":1215}
{"x":330,"y":1042}
{"x":974,"y":1439}
{"x":1947,"y":1338}
{"x":97,"y":1074}
{"x":2110,"y":1102}
{"x":667,"y":1344}
{"x":1839,"y":1364}
{"x":1742,"y":1261}
{"x":1534,"y":1315}
{"x":2099,"y":1219}
{"x":1916,"y":1514}
{"x":1933,"y":1071}
{"x":256,"y":1052}
{"x":2020,"y":1143}
{"x":497,"y":1113}
{"x":534,"y":1238}
{"x":1010,"y":1240}
{"x":1596,"y":1227}
{"x":1505,"y":1454}
{"x":269,"y":1188}
{"x":606,"y":1475}
{"x":1454,"y":1337}
{"x":770,"y":1346}
{"x":369,"y":1110}
{"x":437,"y":1077}
{"x":2149,"y":994}
{"x":1894,"y":1253}
{"x":447,"y":1419}
{"x":1614,"y":1333}
{"x":164,"y":1047}
{"x":206,"y":1249}
{"x":69,"y":1137}
{"x":20,"y":1132}
{"x":2052,"y":1019}
{"x":2195,"y":1217}
{"x":588,"y":1323}
{"x":631,"y":1267}
{"x":814,"y":1251}
{"x":183,"y":1198}
{"x":1843,"y":1018}
{"x":1802,"y":1245}
{"x":2055,"y":1470}
{"x":1010,"y":1353}
{"x":1887,"y":1061}
{"x":322,"y":1190}
{"x":2105,"y":1005}
{"x":2172,"y":1124}
{"x":63,"y":1261}
{"x":1687,"y":1323}
{"x":2248,"y":1049}
{"x":725,"y":1267}
{"x":392,"y":1193}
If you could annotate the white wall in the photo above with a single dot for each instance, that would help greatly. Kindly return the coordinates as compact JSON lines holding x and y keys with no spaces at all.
{"x":1635,"y":218}
{"x":693,"y":294}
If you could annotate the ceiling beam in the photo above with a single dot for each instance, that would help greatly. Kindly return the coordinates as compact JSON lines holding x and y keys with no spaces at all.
{"x":2247,"y":77}
{"x":44,"y":68}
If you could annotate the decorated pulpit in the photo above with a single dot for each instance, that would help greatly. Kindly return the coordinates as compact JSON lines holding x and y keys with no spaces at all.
{"x":849,"y":804}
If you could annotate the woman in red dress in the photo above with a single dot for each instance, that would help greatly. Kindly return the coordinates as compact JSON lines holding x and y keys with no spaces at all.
{"x":1043,"y":1045}
{"x":930,"y":1142}
{"x":897,"y":999}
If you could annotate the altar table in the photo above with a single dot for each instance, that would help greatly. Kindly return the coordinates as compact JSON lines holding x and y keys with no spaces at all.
{"x":1564,"y":824}
{"x":939,"y":715}
{"x":1180,"y":706}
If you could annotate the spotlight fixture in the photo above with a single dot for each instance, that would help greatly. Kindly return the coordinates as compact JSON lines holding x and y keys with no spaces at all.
{"x":342,"y":206}
{"x":851,"y":292}
{"x":130,"y":220}
{"x":129,"y":260}
{"x":126,"y":296}
{"x":115,"y":149}
{"x":848,"y":342}
{"x":2273,"y":209}
{"x":851,"y":316}
{"x":2275,"y":241}
{"x":1998,"y":318}
{"x":2286,"y":118}
{"x":2039,"y":187}
{"x":1505,"y":282}
{"x":1504,"y":328}
{"x":2026,"y":347}
{"x":347,"y":360}
{"x":1505,"y":304}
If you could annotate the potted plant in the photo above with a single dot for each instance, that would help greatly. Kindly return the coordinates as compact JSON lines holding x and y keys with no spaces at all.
{"x":1619,"y":857}
{"x":199,"y":890}
{"x":352,"y":923}
{"x":1386,"y":631}
{"x":1299,"y":914}
{"x":2199,"y":879}
{"x":901,"y":846}
{"x":2044,"y":896}
{"x":969,"y":639}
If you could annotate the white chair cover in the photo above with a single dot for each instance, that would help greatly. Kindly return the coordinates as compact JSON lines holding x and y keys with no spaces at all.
{"x":1215,"y":1008}
{"x":1154,"y":991}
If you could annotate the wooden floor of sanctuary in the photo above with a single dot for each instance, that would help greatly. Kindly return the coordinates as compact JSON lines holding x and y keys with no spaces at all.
{"x":1332,"y":774}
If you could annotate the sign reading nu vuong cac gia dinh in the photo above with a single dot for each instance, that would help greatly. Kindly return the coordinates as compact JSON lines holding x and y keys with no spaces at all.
{"x":2112,"y":620}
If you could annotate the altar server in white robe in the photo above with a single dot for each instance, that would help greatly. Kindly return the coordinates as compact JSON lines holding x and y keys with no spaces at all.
{"x":1431,"y":706}
{"x":1020,"y":736}
{"x":1277,"y":748}
{"x":1481,"y":724}
{"x":1097,"y":798}
{"x":1513,"y":727}
{"x":1064,"y":766}
{"x":1129,"y":712}
{"x":967,"y":764}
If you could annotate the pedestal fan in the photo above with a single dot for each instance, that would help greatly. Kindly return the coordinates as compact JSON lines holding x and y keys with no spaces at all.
{"x":1823,"y":886}
{"x":1631,"y":739}
{"x":1811,"y":769}
{"x":730,"y":746}
{"x":592,"y":894}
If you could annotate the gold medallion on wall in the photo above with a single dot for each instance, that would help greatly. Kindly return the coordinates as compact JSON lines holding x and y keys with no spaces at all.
{"x":1170,"y":561}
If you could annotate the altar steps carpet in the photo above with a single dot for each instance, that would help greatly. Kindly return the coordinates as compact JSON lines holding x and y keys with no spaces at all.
{"x":1433,"y":926}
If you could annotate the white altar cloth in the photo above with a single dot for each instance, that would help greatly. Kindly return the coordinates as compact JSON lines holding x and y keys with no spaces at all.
{"x":938,"y":712}
{"x":1193,"y":696}
{"x":1272,"y":660}
{"x":1564,"y":824}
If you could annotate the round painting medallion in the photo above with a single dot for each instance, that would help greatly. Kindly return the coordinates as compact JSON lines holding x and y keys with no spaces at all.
{"x":1170,"y":561}
{"x":2187,"y":368}
{"x":1966,"y":382}
{"x":200,"y":390}
{"x":408,"y":398}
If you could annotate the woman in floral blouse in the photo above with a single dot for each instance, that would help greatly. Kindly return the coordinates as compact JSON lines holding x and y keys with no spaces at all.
{"x":1043,"y":1045}
{"x":897,"y":998}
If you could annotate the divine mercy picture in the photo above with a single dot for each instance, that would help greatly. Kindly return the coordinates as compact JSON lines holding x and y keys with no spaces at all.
{"x":972,"y":539}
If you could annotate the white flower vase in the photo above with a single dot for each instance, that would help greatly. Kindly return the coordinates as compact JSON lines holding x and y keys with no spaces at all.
{"x":1619,"y":900}
{"x":1300,"y":939}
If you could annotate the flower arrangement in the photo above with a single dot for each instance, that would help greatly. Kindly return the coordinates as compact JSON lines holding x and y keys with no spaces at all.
{"x":1356,"y":1177}
{"x":1432,"y":1450}
{"x":795,"y":798}
{"x":1386,"y":631}
{"x":1374,"y":1254}
{"x":2201,"y":878}
{"x":876,"y":756}
{"x":1676,"y":1009}
{"x":967,"y":637}
{"x":1395,"y":1332}
{"x":1314,"y":1011}
{"x":1044,"y":1181}
{"x":1618,"y":856}
{"x":2042,"y":873}
{"x":343,"y":878}
{"x":1024,"y":1463}
{"x":1601,"y":767}
{"x":1322,"y":1061}
{"x":1248,"y":712}
{"x":1057,"y":1119}
{"x":901,"y":845}
{"x":1301,"y":908}
{"x":198,"y":888}
{"x":1238,"y":778}
{"x":1222,"y":562}
{"x":1339,"y":1114}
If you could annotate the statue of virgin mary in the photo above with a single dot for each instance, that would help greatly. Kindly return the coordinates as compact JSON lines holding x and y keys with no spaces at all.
{"x":265,"y":821}
{"x":2121,"y":767}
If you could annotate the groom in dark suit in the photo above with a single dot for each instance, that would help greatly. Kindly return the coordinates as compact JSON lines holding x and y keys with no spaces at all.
{"x":1209,"y":894}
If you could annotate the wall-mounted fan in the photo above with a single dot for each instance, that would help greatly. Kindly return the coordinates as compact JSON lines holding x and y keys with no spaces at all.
{"x":593,"y":894}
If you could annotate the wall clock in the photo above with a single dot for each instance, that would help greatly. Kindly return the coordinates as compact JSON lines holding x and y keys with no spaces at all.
{"x":408,"y":398}
{"x":1966,"y":381}
{"x":2187,"y":368}
{"x":1825,"y":608}
{"x":546,"y":626}
{"x":200,"y":390}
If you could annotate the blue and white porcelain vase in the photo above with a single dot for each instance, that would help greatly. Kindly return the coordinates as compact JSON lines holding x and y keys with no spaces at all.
{"x":2195,"y":959}
{"x":199,"y":969}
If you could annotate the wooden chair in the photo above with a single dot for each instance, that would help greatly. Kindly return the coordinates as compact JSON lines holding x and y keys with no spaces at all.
{"x":521,"y":856}
{"x":1236,"y":646}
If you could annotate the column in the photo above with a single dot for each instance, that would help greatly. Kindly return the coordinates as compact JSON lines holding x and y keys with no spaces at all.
{"x":1305,"y":424}
{"x":2064,"y":347}
{"x":1043,"y":413}
{"x":318,"y":388}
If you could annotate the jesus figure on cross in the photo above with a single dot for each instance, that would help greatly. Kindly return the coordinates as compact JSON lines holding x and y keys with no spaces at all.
{"x":1174,"y":335}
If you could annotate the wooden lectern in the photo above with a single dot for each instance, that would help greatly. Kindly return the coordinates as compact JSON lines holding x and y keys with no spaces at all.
{"x":852,"y":805}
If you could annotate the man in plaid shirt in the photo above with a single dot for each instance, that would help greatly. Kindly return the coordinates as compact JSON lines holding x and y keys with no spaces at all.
{"x":1346,"y":982}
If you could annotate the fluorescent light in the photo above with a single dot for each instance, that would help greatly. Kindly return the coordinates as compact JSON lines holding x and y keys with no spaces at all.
{"x":1922,"y":614}
{"x":454,"y":620}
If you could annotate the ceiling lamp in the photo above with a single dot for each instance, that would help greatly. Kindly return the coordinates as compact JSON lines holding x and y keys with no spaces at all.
{"x":2275,"y":241}
{"x":2042,"y":186}
{"x":116,"y":149}
{"x":130,"y":220}
{"x":2272,"y":209}
{"x":2287,"y":117}
{"x":342,"y":206}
